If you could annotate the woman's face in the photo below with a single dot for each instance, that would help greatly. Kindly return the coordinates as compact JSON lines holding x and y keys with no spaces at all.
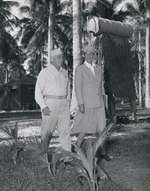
{"x":89,"y":56}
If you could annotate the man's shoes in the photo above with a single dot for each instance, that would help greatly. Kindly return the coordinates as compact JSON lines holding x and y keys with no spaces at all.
{"x":106,"y":157}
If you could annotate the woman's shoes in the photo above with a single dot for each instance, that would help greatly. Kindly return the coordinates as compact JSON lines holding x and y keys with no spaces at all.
{"x":106,"y":157}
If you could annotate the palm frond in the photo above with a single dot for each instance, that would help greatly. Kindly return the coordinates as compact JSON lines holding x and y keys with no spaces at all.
{"x":24,"y":9}
{"x":14,"y":131}
{"x":82,"y":173}
{"x":84,"y":161}
{"x":101,"y":137}
{"x":6,"y":130}
{"x":102,"y":173}
{"x":8,"y":4}
{"x":90,"y":154}
{"x":125,"y":4}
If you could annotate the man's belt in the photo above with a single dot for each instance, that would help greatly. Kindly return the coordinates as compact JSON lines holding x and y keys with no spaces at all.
{"x":56,"y":97}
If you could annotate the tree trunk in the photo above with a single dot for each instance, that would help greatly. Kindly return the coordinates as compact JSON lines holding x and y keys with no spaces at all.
{"x":42,"y":57}
{"x":147,"y":91}
{"x":6,"y":75}
{"x":77,"y":40}
{"x":140,"y":87}
{"x":50,"y":30}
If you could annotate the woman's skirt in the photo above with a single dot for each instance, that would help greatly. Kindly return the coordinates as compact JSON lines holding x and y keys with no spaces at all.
{"x":92,"y":121}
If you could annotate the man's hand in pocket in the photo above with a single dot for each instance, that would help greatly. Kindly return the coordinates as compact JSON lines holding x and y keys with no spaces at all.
{"x":46,"y":111}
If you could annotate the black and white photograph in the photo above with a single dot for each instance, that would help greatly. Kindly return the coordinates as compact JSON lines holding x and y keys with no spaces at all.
{"x":75,"y":95}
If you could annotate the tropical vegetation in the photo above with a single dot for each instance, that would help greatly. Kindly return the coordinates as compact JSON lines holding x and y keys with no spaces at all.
{"x":52,"y":24}
{"x":36,"y":34}
{"x":10,"y":52}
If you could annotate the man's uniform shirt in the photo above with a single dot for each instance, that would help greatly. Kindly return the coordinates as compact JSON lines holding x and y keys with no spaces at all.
{"x":51,"y":82}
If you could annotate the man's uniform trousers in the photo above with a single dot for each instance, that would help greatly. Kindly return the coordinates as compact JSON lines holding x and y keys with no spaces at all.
{"x":59,"y":118}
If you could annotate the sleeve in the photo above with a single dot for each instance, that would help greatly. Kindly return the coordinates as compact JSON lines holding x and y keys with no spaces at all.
{"x":69,"y":89}
{"x":79,"y":85}
{"x":39,"y":87}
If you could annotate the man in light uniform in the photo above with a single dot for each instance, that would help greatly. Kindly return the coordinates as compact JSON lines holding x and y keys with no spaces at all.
{"x":89,"y":90}
{"x":52,"y":93}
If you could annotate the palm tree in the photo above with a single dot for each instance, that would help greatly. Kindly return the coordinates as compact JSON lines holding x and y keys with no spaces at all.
{"x":37,"y":33}
{"x":50,"y":30}
{"x":147,"y":91}
{"x":77,"y":44}
{"x":10,"y":52}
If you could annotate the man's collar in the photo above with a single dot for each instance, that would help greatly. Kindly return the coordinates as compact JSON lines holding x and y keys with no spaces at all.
{"x":53,"y":68}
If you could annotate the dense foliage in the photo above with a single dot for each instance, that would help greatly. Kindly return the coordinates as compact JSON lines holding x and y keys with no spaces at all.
{"x":35,"y":32}
{"x":33,"y":36}
{"x":120,"y":67}
{"x":10,"y":52}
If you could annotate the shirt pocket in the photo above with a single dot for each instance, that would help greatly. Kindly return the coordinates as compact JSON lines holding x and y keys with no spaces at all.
{"x":64,"y":81}
{"x":50,"y":83}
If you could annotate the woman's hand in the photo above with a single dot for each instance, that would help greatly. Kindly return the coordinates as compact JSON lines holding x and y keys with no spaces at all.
{"x":82,"y":108}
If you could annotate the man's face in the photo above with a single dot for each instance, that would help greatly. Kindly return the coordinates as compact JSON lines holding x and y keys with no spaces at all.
{"x":58,"y":60}
{"x":89,"y":56}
